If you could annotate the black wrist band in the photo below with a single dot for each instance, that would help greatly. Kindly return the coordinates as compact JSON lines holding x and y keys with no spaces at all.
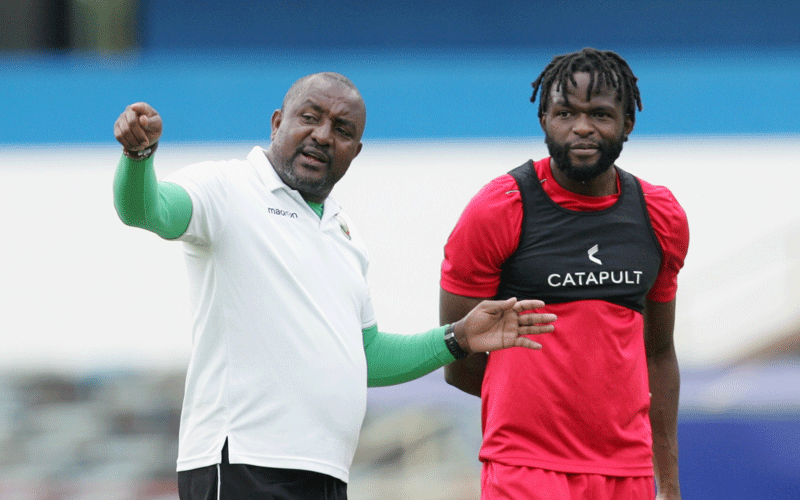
{"x":141,"y":155}
{"x":452,"y":344}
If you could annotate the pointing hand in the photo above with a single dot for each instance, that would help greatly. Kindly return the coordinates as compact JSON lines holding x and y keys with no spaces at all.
{"x":138,"y":127}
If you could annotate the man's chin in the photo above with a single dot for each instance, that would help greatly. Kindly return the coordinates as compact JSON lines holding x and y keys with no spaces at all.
{"x":583,"y":168}
{"x":317,"y":185}
{"x":302,"y":179}
{"x":581,"y":173}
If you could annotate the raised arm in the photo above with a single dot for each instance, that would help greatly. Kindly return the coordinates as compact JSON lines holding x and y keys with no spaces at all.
{"x":141,"y":200}
{"x":662,"y":364}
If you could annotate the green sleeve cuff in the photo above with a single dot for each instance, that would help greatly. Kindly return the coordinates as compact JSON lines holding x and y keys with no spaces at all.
{"x":394,"y":359}
{"x":160,"y":207}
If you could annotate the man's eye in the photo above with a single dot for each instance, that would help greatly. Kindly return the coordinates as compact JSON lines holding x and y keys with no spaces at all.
{"x":309,"y":118}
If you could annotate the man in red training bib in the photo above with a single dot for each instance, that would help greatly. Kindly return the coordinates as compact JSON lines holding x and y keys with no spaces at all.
{"x":594,"y":414}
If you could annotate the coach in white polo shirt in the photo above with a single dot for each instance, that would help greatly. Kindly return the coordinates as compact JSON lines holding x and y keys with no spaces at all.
{"x":285,"y":340}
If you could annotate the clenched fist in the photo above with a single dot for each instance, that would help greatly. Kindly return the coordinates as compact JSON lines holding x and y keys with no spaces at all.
{"x":138,"y":127}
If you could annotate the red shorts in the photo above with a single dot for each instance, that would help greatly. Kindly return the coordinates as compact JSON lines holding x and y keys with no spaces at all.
{"x":505,"y":482}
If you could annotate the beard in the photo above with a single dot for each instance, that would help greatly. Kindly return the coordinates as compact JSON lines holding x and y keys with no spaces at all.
{"x":609,"y":152}
{"x":318,"y":187}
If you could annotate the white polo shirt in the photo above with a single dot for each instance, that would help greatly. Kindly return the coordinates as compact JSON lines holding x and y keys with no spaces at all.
{"x":279,"y":299}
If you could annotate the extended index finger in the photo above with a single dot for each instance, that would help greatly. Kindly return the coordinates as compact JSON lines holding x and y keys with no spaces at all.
{"x":142,"y":108}
{"x":137,"y":125}
{"x":129,"y":129}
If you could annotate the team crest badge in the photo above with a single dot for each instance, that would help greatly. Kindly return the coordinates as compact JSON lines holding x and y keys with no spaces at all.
{"x":343,"y":225}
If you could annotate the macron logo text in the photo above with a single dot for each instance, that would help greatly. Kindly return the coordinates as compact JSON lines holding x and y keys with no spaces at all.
{"x":283,"y":213}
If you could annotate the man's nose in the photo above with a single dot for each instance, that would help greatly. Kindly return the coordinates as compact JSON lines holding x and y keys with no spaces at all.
{"x":582,"y":125}
{"x":322,"y":132}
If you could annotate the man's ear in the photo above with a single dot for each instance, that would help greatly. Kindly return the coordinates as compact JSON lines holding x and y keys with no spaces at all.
{"x":630,"y":121}
{"x":277,"y":116}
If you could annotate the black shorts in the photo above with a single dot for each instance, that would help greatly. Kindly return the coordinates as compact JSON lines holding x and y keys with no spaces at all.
{"x":226,"y":481}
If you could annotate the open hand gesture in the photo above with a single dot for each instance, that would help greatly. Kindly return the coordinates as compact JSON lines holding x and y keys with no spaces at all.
{"x":498,"y":324}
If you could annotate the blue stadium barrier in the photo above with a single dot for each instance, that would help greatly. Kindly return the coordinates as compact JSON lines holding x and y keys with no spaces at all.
{"x":229,"y":96}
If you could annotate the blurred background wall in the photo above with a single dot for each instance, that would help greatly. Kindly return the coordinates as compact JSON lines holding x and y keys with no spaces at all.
{"x":95,"y":324}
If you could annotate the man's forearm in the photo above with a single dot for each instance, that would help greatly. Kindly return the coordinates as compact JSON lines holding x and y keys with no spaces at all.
{"x":395,"y":359}
{"x":142,"y":201}
{"x":665,"y":388}
{"x":467,"y":374}
{"x":464,"y":374}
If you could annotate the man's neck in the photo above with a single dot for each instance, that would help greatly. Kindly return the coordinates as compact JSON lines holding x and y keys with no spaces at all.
{"x":604,"y":184}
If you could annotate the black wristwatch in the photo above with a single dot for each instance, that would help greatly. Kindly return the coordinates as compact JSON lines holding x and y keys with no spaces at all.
{"x":452,"y":343}
{"x":141,"y":155}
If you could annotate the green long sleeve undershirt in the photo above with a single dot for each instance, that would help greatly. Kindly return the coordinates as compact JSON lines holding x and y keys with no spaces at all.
{"x":394,"y":359}
{"x":141,"y":201}
{"x":166,"y":209}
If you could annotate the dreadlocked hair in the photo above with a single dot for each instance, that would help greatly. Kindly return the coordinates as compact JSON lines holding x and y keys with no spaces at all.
{"x":604,"y":67}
